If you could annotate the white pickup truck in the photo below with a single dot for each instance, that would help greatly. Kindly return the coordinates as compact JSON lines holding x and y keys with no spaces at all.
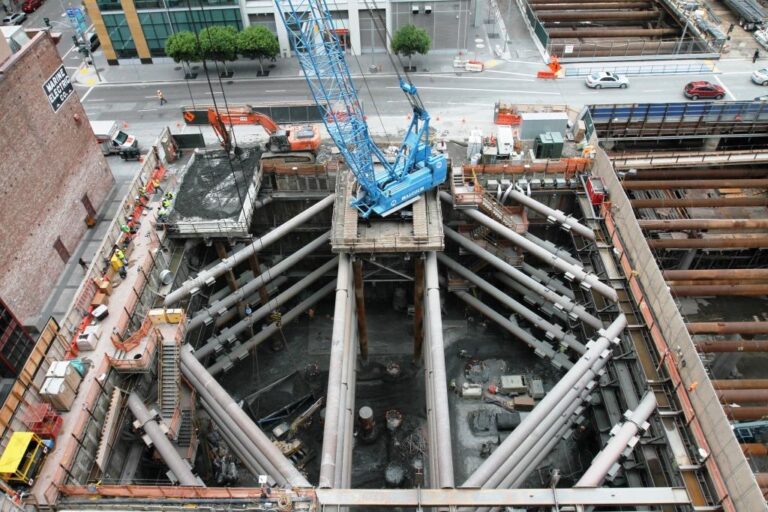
{"x":111,"y":139}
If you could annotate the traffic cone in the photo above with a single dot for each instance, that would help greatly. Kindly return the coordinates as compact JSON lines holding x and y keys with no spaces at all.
{"x":125,"y":125}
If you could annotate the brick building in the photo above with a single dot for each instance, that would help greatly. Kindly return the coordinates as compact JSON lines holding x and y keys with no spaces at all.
{"x":52,"y":174}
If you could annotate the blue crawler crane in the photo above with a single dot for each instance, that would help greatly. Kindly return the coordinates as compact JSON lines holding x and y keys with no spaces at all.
{"x":415,"y":169}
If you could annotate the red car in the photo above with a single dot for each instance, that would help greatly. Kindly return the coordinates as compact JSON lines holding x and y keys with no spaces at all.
{"x":696,"y":90}
{"x":31,"y":5}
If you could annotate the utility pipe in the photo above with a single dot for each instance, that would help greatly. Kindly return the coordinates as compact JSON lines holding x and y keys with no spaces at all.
{"x":242,"y":351}
{"x":207,"y":277}
{"x":162,"y":444}
{"x":515,"y":465}
{"x":333,"y":394}
{"x":745,"y":413}
{"x":727,"y":327}
{"x":595,"y":352}
{"x":439,"y":379}
{"x":636,"y":421}
{"x":713,"y":274}
{"x":716,"y":346}
{"x":590,"y":280}
{"x":741,"y":384}
{"x":742,"y":242}
{"x":255,"y":284}
{"x":230,"y":334}
{"x":194,"y":371}
{"x":702,"y":290}
{"x":693,"y":184}
{"x":552,"y":331}
{"x":566,"y":221}
{"x":686,"y":224}
{"x":742,"y":396}
{"x":699,"y":202}
{"x":540,"y":348}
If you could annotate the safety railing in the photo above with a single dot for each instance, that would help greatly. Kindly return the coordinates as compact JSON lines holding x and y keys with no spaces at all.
{"x":652,"y":69}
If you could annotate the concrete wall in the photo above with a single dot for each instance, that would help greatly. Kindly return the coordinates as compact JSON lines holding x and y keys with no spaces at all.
{"x":48,"y":162}
{"x":739,"y":480}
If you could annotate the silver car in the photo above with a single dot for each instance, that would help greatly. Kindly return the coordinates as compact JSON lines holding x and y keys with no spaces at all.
{"x":760,"y":76}
{"x":16,"y":18}
{"x":606,"y":79}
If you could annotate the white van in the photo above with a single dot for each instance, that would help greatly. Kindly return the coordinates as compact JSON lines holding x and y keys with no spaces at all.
{"x":111,"y":139}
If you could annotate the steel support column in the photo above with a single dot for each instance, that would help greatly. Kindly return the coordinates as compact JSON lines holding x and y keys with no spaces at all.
{"x":418,"y":307}
{"x":253,"y":261}
{"x":221,"y":252}
{"x":362,"y":329}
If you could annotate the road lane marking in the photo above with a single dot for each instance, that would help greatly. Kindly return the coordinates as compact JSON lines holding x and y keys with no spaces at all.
{"x":529,"y":75}
{"x":82,"y":99}
{"x":92,"y":100}
{"x":147,"y":110}
{"x":468,"y":89}
{"x":717,"y":78}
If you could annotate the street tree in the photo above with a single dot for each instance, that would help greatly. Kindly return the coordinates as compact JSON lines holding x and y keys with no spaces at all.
{"x":182,"y":47}
{"x":257,"y":42}
{"x":220,"y":44}
{"x":410,"y":40}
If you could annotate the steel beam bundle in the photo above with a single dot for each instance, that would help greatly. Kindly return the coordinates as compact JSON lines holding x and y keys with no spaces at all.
{"x":714,"y":346}
{"x":178,"y":466}
{"x":437,"y":380}
{"x":502,"y":462}
{"x":742,"y":396}
{"x":622,"y":437}
{"x":229,"y":335}
{"x":703,"y":202}
{"x":208,"y":277}
{"x":225,"y":411}
{"x":252,"y":286}
{"x":566,"y":304}
{"x":705,"y":290}
{"x":736,"y":274}
{"x":243,"y":350}
{"x":590,"y":281}
{"x":741,"y":384}
{"x":579,"y":32}
{"x":745,"y":413}
{"x":698,"y":173}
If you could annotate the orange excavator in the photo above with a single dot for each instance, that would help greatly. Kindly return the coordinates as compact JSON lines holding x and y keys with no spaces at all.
{"x":281,"y":140}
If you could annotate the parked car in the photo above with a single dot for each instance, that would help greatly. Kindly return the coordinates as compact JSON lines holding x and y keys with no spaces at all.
{"x":760,"y":76}
{"x":31,"y":5}
{"x":762,"y":98}
{"x":92,"y":39}
{"x":702,"y":89}
{"x":606,"y":79}
{"x":15,"y":18}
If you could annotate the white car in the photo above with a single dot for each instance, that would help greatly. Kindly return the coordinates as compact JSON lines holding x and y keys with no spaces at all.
{"x":15,"y":18}
{"x":606,"y":79}
{"x":760,"y":76}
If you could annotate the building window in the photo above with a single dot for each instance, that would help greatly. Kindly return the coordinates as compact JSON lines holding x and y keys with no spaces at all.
{"x":109,"y":5}
{"x":120,"y":35}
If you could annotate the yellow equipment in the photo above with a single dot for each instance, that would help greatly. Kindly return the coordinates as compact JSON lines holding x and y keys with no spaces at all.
{"x":22,"y":458}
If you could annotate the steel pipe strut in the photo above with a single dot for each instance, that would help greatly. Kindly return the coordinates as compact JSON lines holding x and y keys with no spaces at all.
{"x":715,"y":274}
{"x":258,"y":282}
{"x":695,"y":202}
{"x":242,"y":351}
{"x":745,"y":413}
{"x":577,"y":32}
{"x":591,"y":280}
{"x":439,"y":378}
{"x":556,"y":215}
{"x":686,"y":224}
{"x":192,"y":367}
{"x":692,"y":184}
{"x":587,"y":15}
{"x":727,"y":327}
{"x":745,"y":242}
{"x":563,"y":302}
{"x":608,"y":456}
{"x":230,"y":334}
{"x":741,"y":384}
{"x":703,"y":290}
{"x":553,"y":331}
{"x":706,"y":173}
{"x":742,"y":396}
{"x":162,"y":444}
{"x":540,"y":348}
{"x":485,"y":475}
{"x":333,"y":396}
{"x":206,"y":277}
{"x":715,"y":346}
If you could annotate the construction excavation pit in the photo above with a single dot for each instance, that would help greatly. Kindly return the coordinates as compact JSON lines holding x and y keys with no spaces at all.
{"x":503,"y":340}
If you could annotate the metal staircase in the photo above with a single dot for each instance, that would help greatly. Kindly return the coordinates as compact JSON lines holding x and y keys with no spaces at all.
{"x":184,"y":439}
{"x":168,"y":379}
